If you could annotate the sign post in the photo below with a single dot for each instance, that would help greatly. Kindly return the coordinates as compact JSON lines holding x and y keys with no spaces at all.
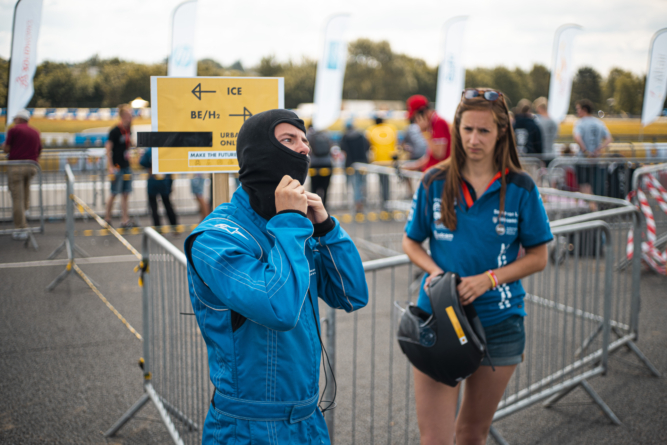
{"x":220,"y":188}
{"x":195,"y":122}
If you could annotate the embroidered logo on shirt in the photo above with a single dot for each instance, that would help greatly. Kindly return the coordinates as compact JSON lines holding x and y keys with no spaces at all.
{"x":231,"y":230}
{"x":312,"y":272}
{"x":443,"y":236}
{"x":509,"y":220}
{"x":436,"y":209}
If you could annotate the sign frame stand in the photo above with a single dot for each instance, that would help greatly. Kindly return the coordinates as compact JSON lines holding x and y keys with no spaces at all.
{"x":220,"y":188}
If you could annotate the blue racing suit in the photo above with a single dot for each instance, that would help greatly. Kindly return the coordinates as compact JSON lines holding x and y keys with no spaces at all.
{"x":254,"y":286}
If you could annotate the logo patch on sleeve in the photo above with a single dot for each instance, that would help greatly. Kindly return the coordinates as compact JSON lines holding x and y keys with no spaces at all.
{"x":230,"y":229}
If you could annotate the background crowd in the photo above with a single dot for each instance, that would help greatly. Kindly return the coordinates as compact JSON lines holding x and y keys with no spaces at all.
{"x":425,"y":142}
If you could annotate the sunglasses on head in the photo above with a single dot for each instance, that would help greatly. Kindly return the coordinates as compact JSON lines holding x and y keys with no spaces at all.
{"x":490,"y":95}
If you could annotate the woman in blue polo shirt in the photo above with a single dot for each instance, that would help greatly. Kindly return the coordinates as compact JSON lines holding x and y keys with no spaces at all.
{"x":476,"y":209}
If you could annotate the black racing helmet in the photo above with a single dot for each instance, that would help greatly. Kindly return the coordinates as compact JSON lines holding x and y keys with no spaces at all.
{"x":449,"y":344}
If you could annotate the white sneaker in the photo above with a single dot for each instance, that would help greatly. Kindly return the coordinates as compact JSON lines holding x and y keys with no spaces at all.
{"x":21,"y":236}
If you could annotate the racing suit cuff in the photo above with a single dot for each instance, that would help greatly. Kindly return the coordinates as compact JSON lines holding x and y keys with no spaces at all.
{"x":321,"y":229}
{"x":298,"y":212}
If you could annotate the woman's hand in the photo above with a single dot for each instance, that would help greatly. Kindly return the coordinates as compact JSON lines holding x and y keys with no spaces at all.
{"x":472,"y":287}
{"x":436,"y":272}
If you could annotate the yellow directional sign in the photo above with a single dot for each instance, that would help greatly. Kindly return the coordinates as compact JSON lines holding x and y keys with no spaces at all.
{"x":208,"y":104}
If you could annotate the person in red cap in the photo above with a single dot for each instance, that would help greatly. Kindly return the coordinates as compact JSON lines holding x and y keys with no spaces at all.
{"x":429,"y":122}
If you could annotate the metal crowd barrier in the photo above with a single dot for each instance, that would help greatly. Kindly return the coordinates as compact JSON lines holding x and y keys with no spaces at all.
{"x":569,"y":308}
{"x":36,"y":209}
{"x":626,"y":268}
{"x":385,"y":188}
{"x":535,"y":165}
{"x":380,"y":236}
{"x":175,"y":361}
{"x":93,"y":186}
{"x":68,"y":245}
{"x":379,"y":233}
{"x":88,"y":172}
{"x":574,"y":306}
{"x":607,"y":176}
{"x":379,"y":229}
{"x":582,"y":307}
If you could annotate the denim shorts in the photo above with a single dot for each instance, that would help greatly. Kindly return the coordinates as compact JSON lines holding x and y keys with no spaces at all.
{"x":506,"y":341}
{"x":121,"y":185}
{"x":197,"y":185}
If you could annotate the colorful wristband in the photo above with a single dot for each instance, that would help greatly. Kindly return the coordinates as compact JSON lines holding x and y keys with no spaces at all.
{"x":494,"y":279}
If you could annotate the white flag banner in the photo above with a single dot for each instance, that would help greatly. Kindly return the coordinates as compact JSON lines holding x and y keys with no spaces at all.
{"x":562,"y":72}
{"x":451,"y":73}
{"x":23,"y":61}
{"x":182,"y":62}
{"x":656,"y":80}
{"x":330,"y":73}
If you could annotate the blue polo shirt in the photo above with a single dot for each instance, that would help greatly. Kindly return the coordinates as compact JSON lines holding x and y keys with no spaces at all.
{"x":475,"y":246}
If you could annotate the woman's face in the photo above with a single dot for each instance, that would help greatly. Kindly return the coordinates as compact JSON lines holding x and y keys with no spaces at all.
{"x":479,"y":134}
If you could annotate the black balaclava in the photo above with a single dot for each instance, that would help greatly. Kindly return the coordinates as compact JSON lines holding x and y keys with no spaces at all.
{"x":263,"y":161}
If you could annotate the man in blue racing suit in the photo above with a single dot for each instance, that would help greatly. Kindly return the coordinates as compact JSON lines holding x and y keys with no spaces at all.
{"x":256,"y":268}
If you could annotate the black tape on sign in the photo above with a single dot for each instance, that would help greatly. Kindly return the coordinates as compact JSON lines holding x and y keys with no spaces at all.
{"x":175,"y":139}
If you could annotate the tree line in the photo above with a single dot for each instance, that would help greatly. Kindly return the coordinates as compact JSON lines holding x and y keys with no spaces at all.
{"x":374,"y":72}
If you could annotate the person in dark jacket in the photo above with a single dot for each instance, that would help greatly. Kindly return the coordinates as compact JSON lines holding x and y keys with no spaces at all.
{"x":528,"y":133}
{"x":320,"y":161}
{"x":355,"y":146}
{"x":158,"y":185}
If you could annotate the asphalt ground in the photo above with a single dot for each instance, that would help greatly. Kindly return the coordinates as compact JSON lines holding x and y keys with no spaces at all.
{"x":69,"y":366}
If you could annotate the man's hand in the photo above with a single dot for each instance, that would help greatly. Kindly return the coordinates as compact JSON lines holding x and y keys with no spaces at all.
{"x":112,"y":169}
{"x":316,"y":212}
{"x":290,"y":195}
{"x":423,"y":122}
{"x":472,"y":287}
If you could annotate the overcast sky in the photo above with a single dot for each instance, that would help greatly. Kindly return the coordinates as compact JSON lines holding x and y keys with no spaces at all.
{"x":617,"y":33}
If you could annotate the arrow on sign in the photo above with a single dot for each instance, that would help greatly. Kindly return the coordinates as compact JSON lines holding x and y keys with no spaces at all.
{"x":198,"y":91}
{"x":246,"y":114}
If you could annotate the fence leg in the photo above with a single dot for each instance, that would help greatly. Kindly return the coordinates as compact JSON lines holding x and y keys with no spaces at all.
{"x":579,"y":352}
{"x":59,"y":278}
{"x":331,"y":351}
{"x":127,"y":416}
{"x":81,"y":252}
{"x":556,"y":397}
{"x":163,"y":414}
{"x":597,"y":399}
{"x":69,"y":243}
{"x":91,"y":280}
{"x":59,"y":249}
{"x":179,"y":415}
{"x":643,"y":358}
{"x":31,"y":241}
{"x":497,"y":436}
{"x":593,"y":395}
